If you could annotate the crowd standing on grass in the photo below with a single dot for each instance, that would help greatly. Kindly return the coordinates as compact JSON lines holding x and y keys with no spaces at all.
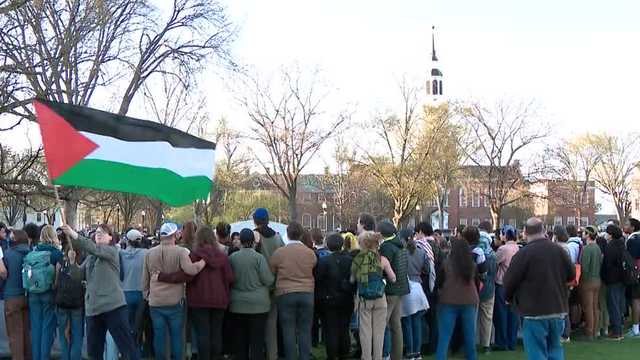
{"x":374,"y":292}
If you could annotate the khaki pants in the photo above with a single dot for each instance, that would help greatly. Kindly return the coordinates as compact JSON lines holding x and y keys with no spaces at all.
{"x":485,"y":321}
{"x":603,"y":322}
{"x":394,"y":321}
{"x":271,"y":332}
{"x":372,"y":318}
{"x":16,"y":313}
{"x":589,"y":294}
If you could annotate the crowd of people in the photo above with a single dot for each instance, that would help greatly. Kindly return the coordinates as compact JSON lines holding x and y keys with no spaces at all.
{"x":372,"y":292}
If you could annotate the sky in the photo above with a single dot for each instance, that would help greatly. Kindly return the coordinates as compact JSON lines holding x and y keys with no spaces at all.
{"x":579,"y":60}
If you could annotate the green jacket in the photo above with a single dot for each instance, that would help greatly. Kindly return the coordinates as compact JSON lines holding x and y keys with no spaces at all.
{"x":395,"y":251}
{"x":253,"y":280}
{"x":591,"y":263}
{"x":102,"y":272}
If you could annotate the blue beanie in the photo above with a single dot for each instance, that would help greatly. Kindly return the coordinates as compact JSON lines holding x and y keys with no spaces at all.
{"x":509,"y":232}
{"x":261,"y":214}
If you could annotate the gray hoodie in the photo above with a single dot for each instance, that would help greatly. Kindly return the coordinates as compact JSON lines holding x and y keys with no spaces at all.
{"x":102,"y":273}
{"x":131,"y":261}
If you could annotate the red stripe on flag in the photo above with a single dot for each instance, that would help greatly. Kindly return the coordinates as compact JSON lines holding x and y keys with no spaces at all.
{"x":63,"y":145}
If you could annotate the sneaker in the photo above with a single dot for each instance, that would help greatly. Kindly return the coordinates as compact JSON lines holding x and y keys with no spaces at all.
{"x":614,"y":337}
{"x":632,"y":335}
{"x":565,"y":340}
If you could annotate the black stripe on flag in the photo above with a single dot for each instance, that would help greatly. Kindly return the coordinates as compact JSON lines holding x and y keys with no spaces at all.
{"x":123,"y":127}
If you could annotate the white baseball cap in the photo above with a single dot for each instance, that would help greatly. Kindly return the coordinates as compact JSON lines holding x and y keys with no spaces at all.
{"x":168,"y":229}
{"x":133,"y":235}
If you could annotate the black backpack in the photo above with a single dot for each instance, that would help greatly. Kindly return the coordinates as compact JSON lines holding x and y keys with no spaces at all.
{"x":630,"y":272}
{"x":70,"y":287}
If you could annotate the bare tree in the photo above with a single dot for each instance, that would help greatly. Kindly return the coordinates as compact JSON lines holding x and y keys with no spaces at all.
{"x":289,"y":126}
{"x":399,"y":159}
{"x":613,"y":173}
{"x":67,"y":50}
{"x":500,"y":136}
{"x":448,"y":154}
{"x":573,"y":163}
{"x":340,"y":186}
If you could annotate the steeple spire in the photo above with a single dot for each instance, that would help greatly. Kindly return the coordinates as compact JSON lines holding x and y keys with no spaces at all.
{"x":433,"y":44}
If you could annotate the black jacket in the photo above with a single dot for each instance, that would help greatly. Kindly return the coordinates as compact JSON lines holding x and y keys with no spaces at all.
{"x":537,"y":278}
{"x":333,"y":287}
{"x":612,"y":271}
{"x":395,"y":251}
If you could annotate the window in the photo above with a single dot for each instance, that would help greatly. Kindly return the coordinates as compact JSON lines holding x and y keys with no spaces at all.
{"x":638,"y":204}
{"x":435,"y":87}
{"x":475,"y":200}
{"x":306,"y":221}
{"x":571,"y":220}
{"x":557,"y":220}
{"x":513,"y":222}
{"x":463,"y":198}
{"x":440,"y":87}
{"x":463,"y":221}
{"x":446,"y":199}
{"x":38,"y":217}
{"x":322,"y":222}
{"x":501,"y":222}
{"x":475,"y":222}
{"x":584,"y":221}
{"x":428,"y":88}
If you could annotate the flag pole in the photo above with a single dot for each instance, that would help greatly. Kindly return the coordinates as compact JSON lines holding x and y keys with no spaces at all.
{"x":60,"y":204}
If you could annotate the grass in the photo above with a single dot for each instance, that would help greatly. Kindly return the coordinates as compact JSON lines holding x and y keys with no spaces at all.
{"x":598,"y":350}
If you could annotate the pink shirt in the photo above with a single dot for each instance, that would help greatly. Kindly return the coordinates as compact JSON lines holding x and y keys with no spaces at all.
{"x":503,"y":257}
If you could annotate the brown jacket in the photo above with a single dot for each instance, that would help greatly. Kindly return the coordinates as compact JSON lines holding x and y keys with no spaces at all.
{"x":293,"y":266}
{"x":165,"y":258}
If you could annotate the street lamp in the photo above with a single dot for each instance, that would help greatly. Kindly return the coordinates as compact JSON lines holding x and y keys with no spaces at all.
{"x":418,"y":211}
{"x":324,"y":208}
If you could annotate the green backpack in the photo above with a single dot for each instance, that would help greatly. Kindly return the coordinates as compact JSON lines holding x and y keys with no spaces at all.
{"x":37,"y":272}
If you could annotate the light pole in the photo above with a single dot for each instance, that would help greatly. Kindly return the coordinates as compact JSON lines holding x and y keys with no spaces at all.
{"x":418,"y":213}
{"x":143,"y":215}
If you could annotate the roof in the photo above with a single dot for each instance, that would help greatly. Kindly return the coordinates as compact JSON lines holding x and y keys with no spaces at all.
{"x":436,"y":72}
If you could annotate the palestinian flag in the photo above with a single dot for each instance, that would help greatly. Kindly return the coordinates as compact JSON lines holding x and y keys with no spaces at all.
{"x":95,"y":149}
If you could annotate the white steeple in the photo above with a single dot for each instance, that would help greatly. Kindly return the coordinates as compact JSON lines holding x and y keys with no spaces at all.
{"x":434,"y":84}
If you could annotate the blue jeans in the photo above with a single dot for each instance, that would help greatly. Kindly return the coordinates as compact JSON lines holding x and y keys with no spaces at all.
{"x":615,"y":301}
{"x":295,"y":311}
{"x":134,"y":304}
{"x":542,"y":338}
{"x":163,"y":317}
{"x":505,"y":321}
{"x":75,"y":319}
{"x":412,"y":333}
{"x":447,"y":316}
{"x":42,"y":313}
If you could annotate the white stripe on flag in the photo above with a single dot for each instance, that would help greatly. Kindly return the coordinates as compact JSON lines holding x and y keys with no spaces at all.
{"x":154,"y":154}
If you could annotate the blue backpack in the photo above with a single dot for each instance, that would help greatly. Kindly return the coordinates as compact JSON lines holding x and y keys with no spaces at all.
{"x":372,"y":289}
{"x":37,"y":272}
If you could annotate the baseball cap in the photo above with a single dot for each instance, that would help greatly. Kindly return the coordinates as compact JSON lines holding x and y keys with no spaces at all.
{"x":509,"y":232}
{"x":261,"y":214}
{"x":168,"y":229}
{"x":133,"y":235}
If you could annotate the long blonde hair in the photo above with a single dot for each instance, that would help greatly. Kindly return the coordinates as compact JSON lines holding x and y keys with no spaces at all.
{"x":48,"y":235}
{"x":370,"y":240}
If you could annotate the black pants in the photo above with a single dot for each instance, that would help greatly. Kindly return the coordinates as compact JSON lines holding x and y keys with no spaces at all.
{"x":117,"y":322}
{"x":335,"y":322}
{"x":249,"y":336}
{"x":432,"y":327}
{"x":208,"y":325}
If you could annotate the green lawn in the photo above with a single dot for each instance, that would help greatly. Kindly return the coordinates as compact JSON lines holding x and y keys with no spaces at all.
{"x":599,"y":350}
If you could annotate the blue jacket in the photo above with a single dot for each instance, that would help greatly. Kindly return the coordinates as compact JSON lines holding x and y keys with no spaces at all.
{"x":13,"y":258}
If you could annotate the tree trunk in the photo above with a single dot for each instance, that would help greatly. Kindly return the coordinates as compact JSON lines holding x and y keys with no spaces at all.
{"x":620,"y":209}
{"x":293,"y":207}
{"x":495,"y":216}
